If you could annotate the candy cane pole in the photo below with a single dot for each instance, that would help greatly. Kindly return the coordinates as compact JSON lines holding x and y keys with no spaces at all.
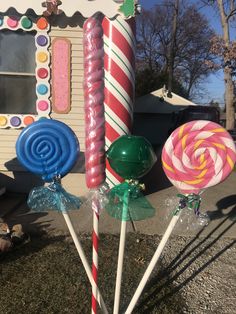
{"x":94,"y":128}
{"x":119,"y":46}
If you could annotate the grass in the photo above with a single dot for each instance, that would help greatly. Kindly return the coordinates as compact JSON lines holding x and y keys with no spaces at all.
{"x":46,"y":276}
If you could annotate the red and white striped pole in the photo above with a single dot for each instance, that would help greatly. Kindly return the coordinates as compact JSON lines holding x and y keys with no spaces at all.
{"x":119,"y":66}
{"x":95,"y":241}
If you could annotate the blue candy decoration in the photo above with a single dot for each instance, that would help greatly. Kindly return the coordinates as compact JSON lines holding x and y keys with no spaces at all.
{"x":42,"y":89}
{"x":48,"y":148}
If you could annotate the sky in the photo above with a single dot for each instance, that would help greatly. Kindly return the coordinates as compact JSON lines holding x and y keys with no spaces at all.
{"x":214,"y":83}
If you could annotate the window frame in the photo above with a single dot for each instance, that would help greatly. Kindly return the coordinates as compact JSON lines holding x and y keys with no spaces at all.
{"x":40,"y":27}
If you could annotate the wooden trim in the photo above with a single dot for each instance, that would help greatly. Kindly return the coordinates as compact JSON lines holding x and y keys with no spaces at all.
{"x":17,"y":73}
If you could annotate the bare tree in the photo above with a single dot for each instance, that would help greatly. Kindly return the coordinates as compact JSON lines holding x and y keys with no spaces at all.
{"x":225,"y":49}
{"x":175,"y":39}
{"x":229,"y":85}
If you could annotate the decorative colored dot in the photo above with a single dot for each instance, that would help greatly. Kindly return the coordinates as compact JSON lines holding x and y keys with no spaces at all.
{"x":11,"y":22}
{"x":1,"y":21}
{"x":42,"y":73}
{"x":15,"y":121}
{"x":3,"y":121}
{"x":42,"y":89}
{"x":28,"y":120}
{"x":43,"y":105}
{"x":42,"y":40}
{"x":26,"y":22}
{"x":42,"y":57}
{"x":42,"y":23}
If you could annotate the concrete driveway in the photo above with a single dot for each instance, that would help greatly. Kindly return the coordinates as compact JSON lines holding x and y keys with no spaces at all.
{"x":218,"y":202}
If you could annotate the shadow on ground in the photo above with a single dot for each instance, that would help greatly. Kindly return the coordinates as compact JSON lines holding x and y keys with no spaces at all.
{"x":226,"y":207}
{"x":172,"y":278}
{"x":14,"y":210}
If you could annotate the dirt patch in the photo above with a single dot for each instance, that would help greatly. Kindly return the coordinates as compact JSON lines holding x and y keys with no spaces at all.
{"x":194,"y":275}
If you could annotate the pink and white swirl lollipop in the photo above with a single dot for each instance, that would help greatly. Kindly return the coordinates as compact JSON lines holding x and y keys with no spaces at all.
{"x":94,"y":128}
{"x":197,"y":155}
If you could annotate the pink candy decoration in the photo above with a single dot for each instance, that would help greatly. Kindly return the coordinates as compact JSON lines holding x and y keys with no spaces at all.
{"x":197,"y":155}
{"x":11,"y":22}
{"x":94,"y":108}
{"x":43,"y":105}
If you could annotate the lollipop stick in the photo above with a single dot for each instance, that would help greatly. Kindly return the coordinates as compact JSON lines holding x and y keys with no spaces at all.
{"x":121,"y":253}
{"x":95,"y":257}
{"x":83,"y":258}
{"x":153,"y":263}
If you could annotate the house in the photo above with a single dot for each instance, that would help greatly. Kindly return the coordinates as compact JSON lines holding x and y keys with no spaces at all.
{"x":42,"y":73}
{"x":154,"y":115}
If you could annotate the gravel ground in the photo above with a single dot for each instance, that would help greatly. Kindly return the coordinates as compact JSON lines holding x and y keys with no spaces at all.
{"x":194,"y":275}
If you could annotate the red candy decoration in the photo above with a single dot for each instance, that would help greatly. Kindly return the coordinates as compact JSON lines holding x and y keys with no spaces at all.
{"x":42,"y":73}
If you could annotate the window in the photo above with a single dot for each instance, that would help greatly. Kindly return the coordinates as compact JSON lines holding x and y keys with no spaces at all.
{"x":24,"y":71}
{"x":17,"y":72}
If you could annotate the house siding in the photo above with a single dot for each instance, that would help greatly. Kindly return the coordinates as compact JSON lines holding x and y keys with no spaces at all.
{"x":9,"y":166}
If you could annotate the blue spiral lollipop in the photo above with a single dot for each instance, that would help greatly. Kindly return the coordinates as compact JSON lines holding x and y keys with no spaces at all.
{"x":48,"y":148}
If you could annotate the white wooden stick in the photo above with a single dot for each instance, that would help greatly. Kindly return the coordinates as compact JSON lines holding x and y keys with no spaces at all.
{"x":120,"y":267}
{"x":83,"y":258}
{"x":152,"y":264}
{"x":121,"y":253}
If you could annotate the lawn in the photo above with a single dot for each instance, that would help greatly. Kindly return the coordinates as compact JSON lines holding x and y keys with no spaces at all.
{"x":46,"y":276}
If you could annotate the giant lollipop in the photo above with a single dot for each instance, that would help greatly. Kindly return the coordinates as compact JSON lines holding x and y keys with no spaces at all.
{"x":49,"y":148}
{"x":94,"y":130}
{"x":131,"y":157}
{"x":197,"y":155}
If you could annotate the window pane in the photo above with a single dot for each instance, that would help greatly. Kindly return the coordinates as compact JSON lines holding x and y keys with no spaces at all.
{"x":17,"y":51}
{"x":17,"y":94}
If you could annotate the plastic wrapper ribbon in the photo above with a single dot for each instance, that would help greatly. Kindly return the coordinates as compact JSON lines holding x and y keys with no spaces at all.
{"x":98,"y":198}
{"x":126,"y":202}
{"x":190,"y":201}
{"x":52,"y":197}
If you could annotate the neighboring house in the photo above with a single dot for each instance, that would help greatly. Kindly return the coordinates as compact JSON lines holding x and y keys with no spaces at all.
{"x":41,"y":74}
{"x":154,"y":115}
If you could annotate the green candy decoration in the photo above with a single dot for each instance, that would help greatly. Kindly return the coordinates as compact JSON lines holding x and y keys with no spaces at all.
{"x":131,"y":157}
{"x":128,"y":8}
{"x":26,"y":22}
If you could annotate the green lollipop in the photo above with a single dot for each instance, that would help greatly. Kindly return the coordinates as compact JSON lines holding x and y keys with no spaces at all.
{"x":131,"y":157}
